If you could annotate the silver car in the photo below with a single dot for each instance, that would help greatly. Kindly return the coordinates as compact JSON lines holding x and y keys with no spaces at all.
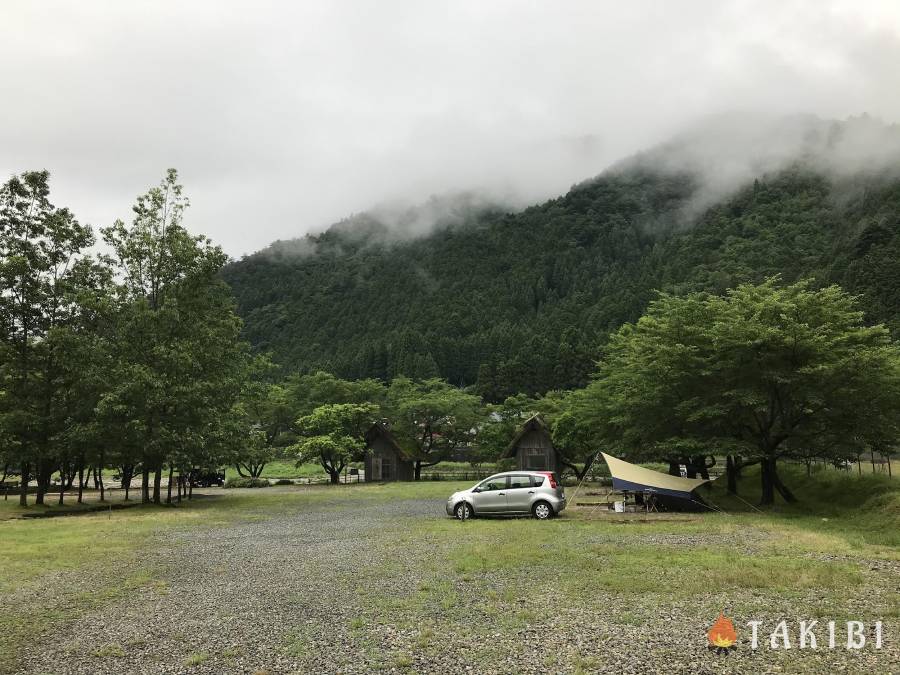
{"x":536,"y":492}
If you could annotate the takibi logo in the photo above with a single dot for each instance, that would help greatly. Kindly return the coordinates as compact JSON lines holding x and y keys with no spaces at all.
{"x":722,"y":635}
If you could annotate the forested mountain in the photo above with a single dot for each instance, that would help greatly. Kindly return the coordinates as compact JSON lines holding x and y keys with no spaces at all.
{"x":522,"y":302}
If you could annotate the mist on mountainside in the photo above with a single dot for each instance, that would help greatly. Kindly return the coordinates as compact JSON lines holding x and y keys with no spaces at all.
{"x":720,"y":154}
{"x":726,"y":152}
{"x":520,"y":301}
{"x":396,"y":221}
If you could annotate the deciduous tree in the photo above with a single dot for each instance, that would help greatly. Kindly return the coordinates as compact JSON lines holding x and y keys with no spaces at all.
{"x":333,"y":435}
{"x":752,"y":373}
{"x":431,"y":418}
{"x":179,"y":361}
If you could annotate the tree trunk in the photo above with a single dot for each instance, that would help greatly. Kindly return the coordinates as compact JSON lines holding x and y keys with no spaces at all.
{"x":731,"y":474}
{"x":23,"y":485}
{"x":180,"y":485}
{"x":70,"y":473}
{"x":169,"y":486}
{"x":157,"y":481}
{"x":145,"y":484}
{"x":253,"y":470}
{"x":43,"y":482}
{"x":781,"y":487}
{"x":771,"y":482}
{"x":768,"y":485}
{"x":98,"y":474}
{"x":701,"y":466}
{"x":418,"y":470}
{"x":190,"y":489}
{"x":335,"y":476}
{"x":579,"y":475}
{"x":81,"y":484}
{"x":674,"y":468}
{"x":127,"y":474}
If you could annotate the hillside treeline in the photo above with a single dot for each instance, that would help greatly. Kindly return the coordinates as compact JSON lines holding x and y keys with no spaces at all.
{"x":133,"y":359}
{"x":762,"y":373}
{"x":521,"y":302}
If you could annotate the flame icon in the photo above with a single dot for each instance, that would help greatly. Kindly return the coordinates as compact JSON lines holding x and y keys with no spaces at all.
{"x":722,"y":635}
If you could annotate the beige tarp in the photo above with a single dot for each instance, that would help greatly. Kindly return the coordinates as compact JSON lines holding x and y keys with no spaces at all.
{"x":627,"y":476}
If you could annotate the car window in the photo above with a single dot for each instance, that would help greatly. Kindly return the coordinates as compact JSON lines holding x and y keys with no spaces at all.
{"x":490,"y":484}
{"x":519,"y":482}
{"x":538,"y":480}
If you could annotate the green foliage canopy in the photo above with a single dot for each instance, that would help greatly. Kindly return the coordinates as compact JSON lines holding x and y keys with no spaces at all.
{"x":756,"y":372}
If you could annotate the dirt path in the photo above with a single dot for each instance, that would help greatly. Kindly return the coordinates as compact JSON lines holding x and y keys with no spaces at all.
{"x":330,"y":588}
{"x":232,"y":598}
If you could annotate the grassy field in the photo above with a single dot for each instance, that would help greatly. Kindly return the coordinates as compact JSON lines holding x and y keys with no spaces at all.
{"x":312,"y":470}
{"x":817,"y":555}
{"x":289,"y":469}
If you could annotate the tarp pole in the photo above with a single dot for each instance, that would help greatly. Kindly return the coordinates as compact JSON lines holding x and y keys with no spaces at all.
{"x":583,"y":478}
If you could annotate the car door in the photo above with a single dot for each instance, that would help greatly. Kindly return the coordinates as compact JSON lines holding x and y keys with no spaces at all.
{"x":489,"y":496}
{"x":519,"y":494}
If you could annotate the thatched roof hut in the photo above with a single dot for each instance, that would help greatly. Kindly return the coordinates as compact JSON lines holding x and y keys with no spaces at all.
{"x":532,"y":446}
{"x":385,"y":459}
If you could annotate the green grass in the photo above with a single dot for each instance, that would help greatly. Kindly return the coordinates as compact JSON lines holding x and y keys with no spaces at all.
{"x":740,"y":554}
{"x":196,"y":659}
{"x":819,"y":547}
{"x":112,"y":651}
{"x":861,"y":511}
{"x":313,"y":470}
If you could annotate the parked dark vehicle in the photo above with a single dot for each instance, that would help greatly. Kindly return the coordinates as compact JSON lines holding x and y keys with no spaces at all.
{"x":200,"y":478}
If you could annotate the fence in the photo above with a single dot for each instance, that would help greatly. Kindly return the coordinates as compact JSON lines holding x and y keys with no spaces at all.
{"x":456,"y":475}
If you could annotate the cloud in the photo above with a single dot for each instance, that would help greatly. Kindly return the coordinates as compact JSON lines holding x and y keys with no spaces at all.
{"x":285,"y":117}
{"x":727,"y":151}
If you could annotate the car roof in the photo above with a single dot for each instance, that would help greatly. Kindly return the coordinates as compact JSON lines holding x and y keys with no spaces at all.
{"x":520,"y":473}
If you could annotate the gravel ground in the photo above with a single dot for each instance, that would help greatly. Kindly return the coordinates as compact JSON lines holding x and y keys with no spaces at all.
{"x":328,"y":590}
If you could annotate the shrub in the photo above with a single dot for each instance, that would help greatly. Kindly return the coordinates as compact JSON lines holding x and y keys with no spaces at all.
{"x":284,"y":481}
{"x":246,"y":483}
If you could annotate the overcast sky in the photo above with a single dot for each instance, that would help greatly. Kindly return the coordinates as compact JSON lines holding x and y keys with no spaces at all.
{"x":283,"y":117}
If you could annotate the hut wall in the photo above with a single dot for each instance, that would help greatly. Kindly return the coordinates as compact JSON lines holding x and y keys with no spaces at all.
{"x":384,"y":464}
{"x":534,"y":452}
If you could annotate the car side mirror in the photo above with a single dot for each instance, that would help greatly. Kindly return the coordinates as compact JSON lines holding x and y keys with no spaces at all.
{"x":476,"y":489}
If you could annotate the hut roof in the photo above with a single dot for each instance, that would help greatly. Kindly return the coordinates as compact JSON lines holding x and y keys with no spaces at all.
{"x":533,"y":423}
{"x":379,"y":429}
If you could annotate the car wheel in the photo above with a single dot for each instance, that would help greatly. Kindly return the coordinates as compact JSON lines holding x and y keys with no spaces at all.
{"x":458,"y":511}
{"x":542,"y":510}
